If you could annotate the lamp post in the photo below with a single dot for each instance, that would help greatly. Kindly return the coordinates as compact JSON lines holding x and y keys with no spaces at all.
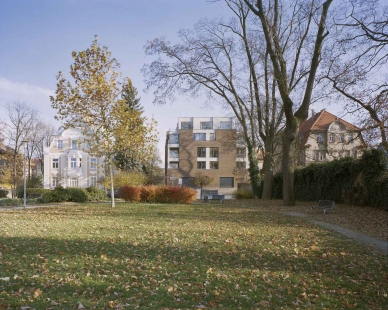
{"x":24,"y":142}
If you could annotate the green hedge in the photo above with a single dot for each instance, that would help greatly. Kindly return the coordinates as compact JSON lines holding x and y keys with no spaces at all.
{"x":60,"y":194}
{"x":30,"y":191}
{"x":3,"y":193}
{"x":96,"y":194}
{"x":361,"y":181}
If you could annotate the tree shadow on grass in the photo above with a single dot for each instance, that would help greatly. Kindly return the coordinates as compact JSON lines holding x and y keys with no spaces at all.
{"x":167,"y":272}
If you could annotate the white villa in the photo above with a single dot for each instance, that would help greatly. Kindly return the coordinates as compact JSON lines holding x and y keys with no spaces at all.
{"x":67,"y":162}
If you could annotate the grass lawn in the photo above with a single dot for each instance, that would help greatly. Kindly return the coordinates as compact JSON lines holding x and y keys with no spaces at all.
{"x":181,"y":257}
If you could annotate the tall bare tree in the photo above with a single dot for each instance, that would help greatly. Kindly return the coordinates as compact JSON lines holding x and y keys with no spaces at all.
{"x":294,"y":33}
{"x":358,"y":62}
{"x":16,"y":129}
{"x":226,"y":60}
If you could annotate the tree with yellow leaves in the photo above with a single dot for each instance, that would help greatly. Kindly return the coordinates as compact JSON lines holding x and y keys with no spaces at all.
{"x":93,"y":103}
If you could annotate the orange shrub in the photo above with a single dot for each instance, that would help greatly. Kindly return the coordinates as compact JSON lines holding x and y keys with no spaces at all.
{"x":158,"y":194}
{"x":148,"y":193}
{"x":130,"y":193}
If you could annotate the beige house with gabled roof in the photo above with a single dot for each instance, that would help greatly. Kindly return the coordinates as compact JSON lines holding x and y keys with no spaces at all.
{"x":325,"y":137}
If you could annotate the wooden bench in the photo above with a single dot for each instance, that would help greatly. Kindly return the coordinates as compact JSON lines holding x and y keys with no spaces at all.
{"x":217,"y":197}
{"x":325,"y":205}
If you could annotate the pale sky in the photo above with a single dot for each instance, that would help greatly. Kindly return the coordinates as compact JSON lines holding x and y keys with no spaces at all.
{"x":38,"y":37}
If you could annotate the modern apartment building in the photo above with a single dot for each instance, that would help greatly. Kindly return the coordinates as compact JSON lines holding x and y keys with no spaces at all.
{"x":207,"y":145}
{"x":67,"y":162}
{"x":324,"y":137}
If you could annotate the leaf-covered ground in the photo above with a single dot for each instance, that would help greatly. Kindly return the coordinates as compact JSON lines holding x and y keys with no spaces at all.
{"x":370,"y":221}
{"x":181,"y":257}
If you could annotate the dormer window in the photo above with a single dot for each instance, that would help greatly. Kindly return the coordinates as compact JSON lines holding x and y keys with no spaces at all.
{"x":332,"y":137}
{"x":319,"y":137}
{"x":341,"y":137}
{"x":74,"y":144}
{"x":60,"y":144}
{"x":350,"y":137}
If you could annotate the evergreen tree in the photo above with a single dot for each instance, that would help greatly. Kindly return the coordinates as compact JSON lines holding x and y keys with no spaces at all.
{"x":130,"y":96}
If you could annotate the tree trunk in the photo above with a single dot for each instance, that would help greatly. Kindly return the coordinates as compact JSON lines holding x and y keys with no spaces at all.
{"x":268,"y":176}
{"x":288,"y":166}
{"x":254,"y":171}
{"x":112,"y":191}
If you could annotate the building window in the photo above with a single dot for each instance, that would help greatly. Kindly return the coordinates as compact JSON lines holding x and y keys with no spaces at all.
{"x":201,"y":164}
{"x":73,"y":162}
{"x":93,"y":181}
{"x":341,"y":137}
{"x":214,"y":152}
{"x":350,"y":137}
{"x":214,"y":165}
{"x":225,"y":125}
{"x":199,"y":136}
{"x":212,"y":136}
{"x":188,"y":181}
{"x":331,"y":137}
{"x":93,"y":163}
{"x":322,"y":156}
{"x":60,"y":144}
{"x":174,"y":153}
{"x":201,"y":151}
{"x":74,"y":144}
{"x":319,"y":137}
{"x":226,"y":182}
{"x":174,"y":165}
{"x":173,"y":138}
{"x":87,"y":145}
{"x":354,"y":154}
{"x":186,"y":125}
{"x":241,"y":164}
{"x":206,"y":125}
{"x":73,"y":182}
{"x":55,"y":163}
{"x":54,"y":181}
{"x":316,"y":155}
{"x":240,"y":152}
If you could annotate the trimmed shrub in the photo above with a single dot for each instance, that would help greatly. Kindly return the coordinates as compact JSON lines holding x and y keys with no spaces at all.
{"x":148,"y":193}
{"x":10,"y":202}
{"x":3,"y":193}
{"x":95,"y":194}
{"x":32,"y":191}
{"x":158,"y":194}
{"x":243,"y":193}
{"x":130,"y":193}
{"x":59,"y":194}
{"x":77,"y":194}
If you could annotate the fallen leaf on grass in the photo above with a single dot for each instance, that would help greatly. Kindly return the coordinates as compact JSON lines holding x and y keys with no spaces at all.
{"x":37,"y":293}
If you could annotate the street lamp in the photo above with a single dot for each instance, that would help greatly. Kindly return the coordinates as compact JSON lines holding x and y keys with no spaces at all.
{"x":24,"y":142}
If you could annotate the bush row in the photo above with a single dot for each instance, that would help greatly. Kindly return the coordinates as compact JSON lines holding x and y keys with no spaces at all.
{"x":243,"y":193}
{"x":60,"y":194}
{"x":31,"y":191}
{"x":361,"y":181}
{"x":158,"y":194}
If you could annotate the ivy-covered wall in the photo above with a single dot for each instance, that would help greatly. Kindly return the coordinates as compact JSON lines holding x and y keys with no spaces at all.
{"x":361,"y":181}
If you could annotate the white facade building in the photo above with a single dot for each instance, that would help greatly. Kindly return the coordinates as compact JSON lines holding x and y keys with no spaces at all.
{"x":67,"y":162}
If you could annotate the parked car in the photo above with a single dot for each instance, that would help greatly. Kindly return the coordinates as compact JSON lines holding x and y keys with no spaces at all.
{"x":116,"y":194}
